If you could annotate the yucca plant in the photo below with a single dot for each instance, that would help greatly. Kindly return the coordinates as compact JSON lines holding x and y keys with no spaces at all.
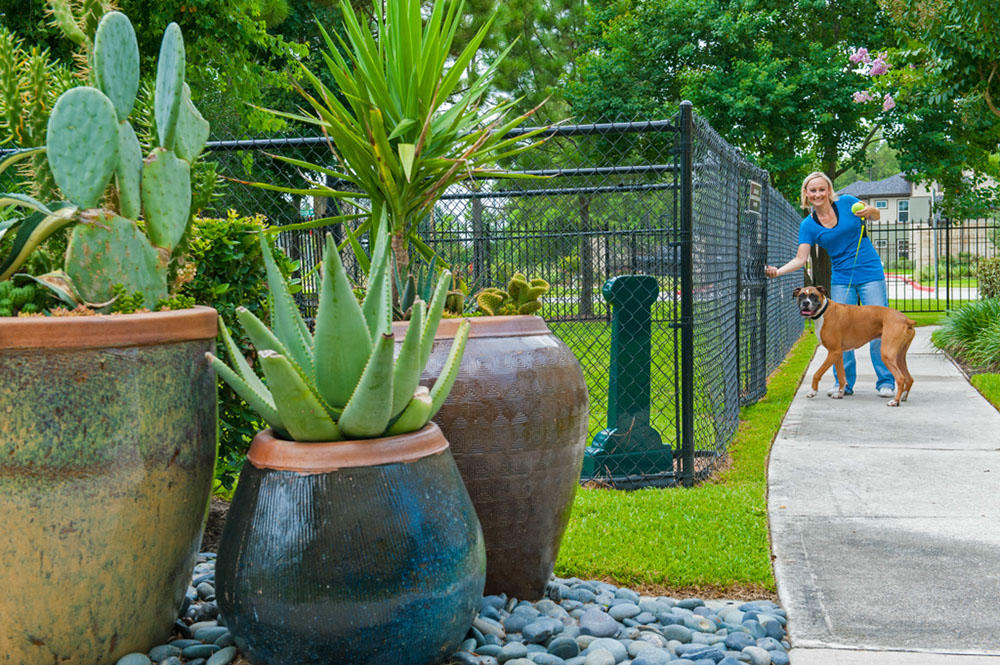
{"x":342,"y":382}
{"x":403,"y":122}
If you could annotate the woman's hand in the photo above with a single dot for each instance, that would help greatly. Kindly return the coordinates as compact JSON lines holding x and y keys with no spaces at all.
{"x":770,"y":271}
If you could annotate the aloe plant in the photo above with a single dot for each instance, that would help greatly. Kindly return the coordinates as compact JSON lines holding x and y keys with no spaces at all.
{"x":520,"y":297}
{"x":342,"y":381}
{"x":89,"y":144}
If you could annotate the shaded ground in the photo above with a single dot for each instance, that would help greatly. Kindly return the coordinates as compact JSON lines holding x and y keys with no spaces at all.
{"x":213,"y":526}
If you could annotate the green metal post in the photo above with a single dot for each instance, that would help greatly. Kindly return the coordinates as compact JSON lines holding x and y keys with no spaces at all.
{"x":629,"y":445}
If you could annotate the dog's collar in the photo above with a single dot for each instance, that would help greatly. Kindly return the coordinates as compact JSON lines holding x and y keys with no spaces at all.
{"x":826,"y":301}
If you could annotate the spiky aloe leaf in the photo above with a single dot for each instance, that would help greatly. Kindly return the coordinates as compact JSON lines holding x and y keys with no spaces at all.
{"x":406,"y":376}
{"x":369,"y":410}
{"x":261,"y":336}
{"x":342,"y":343}
{"x":106,"y":250}
{"x":434,"y":312}
{"x":169,"y":85}
{"x":129,"y":171}
{"x":300,"y":408}
{"x":82,"y":144}
{"x":192,"y":129}
{"x":286,"y":320}
{"x":239,"y":362}
{"x":166,"y":197}
{"x":415,"y":415}
{"x":260,"y":401}
{"x":32,"y":231}
{"x":445,"y":380}
{"x":116,"y":61}
{"x":377,"y":304}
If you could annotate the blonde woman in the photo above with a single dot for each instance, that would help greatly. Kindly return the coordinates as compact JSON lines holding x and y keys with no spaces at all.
{"x":857,"y":272}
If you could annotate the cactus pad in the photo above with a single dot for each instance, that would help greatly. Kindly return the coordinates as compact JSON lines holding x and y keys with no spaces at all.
{"x":129,"y":171}
{"x":116,"y":61}
{"x":169,"y":85}
{"x":166,"y":197}
{"x":109,"y":250}
{"x":192,"y":129}
{"x":82,"y":144}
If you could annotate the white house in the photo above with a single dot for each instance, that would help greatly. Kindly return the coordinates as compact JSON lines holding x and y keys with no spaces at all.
{"x":897,"y":199}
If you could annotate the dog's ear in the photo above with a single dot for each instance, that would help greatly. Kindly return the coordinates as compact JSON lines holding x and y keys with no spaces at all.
{"x":822,"y":290}
{"x":795,"y":293}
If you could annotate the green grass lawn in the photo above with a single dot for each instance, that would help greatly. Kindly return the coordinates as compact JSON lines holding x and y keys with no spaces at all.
{"x":710,"y":540}
{"x":989,"y":386}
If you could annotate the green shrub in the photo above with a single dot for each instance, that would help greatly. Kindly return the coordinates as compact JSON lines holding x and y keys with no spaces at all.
{"x":989,"y":277}
{"x":972,"y":334}
{"x":225,"y":270}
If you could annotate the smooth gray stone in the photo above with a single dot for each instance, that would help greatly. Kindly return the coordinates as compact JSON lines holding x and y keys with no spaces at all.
{"x":614,"y":647}
{"x":464,"y":658}
{"x":211,"y":633}
{"x":198,"y":651}
{"x":489,"y":650}
{"x":162,"y":652}
{"x":769,"y":644}
{"x":564,"y":647}
{"x":690,"y":603}
{"x":546,"y":659}
{"x":512,"y":650}
{"x":597,"y":622}
{"x":780,"y":658}
{"x":625,"y":610}
{"x":222,"y":656}
{"x":739,"y":641}
{"x":489,"y":627}
{"x":677,"y":632}
{"x":758,"y":656}
{"x":599,"y":657}
{"x":134,"y":659}
{"x":540,"y":630}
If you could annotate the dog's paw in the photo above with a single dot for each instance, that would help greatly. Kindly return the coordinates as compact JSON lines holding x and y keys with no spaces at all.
{"x":837,"y":395}
{"x":811,"y":394}
{"x":892,"y":402}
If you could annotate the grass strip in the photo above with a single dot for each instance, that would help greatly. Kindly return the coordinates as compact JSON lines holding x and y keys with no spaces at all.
{"x":989,"y":386}
{"x":709,"y":540}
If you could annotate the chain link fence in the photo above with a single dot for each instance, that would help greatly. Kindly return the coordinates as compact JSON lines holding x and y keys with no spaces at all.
{"x":662,"y":219}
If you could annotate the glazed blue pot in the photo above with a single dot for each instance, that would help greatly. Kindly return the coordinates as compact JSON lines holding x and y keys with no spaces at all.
{"x":351,"y":552}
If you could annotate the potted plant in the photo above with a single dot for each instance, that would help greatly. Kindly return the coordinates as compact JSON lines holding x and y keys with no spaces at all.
{"x":350,"y":537}
{"x":516,"y":419}
{"x":109,"y":424}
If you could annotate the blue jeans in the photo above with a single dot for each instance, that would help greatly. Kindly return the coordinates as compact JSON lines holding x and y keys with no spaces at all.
{"x":869,"y":293}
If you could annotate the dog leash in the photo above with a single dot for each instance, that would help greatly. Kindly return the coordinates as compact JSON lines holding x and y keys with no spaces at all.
{"x":857,"y":251}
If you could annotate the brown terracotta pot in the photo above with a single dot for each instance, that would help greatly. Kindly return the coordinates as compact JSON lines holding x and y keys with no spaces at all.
{"x":108,"y":435}
{"x":517,"y":423}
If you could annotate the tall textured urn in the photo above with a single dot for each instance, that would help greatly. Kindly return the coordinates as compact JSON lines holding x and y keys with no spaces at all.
{"x":107,"y":447}
{"x":516,"y":419}
{"x":350,"y":552}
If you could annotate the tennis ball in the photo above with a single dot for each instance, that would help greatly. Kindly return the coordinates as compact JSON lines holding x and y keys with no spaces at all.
{"x":857,"y":208}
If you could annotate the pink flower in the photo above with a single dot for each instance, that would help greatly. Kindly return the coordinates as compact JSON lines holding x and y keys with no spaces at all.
{"x":862,"y":96}
{"x":861,"y":55}
{"x":888,"y":103}
{"x":879,"y":66}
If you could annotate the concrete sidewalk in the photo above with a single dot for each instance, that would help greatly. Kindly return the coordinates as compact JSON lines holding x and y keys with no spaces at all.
{"x":885,"y":522}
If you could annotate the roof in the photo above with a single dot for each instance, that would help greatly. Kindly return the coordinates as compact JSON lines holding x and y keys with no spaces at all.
{"x":895,"y":185}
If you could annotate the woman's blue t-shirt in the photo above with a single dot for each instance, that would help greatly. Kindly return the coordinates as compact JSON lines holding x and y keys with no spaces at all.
{"x":841,"y":243}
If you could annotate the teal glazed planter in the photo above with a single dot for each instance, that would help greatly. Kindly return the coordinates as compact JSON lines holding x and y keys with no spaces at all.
{"x":350,"y":552}
{"x":108,"y":435}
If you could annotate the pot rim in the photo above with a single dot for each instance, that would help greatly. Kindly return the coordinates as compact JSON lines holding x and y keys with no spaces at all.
{"x":513,"y":325}
{"x":108,"y":330}
{"x":308,"y":458}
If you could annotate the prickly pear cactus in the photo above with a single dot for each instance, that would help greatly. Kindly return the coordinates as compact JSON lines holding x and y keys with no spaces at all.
{"x":109,"y":250}
{"x":192,"y":129}
{"x":166,"y":197}
{"x":83,"y":144}
{"x":169,"y":85}
{"x":116,"y":61}
{"x":129,"y":171}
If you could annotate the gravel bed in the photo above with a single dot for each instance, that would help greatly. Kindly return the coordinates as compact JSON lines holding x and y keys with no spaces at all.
{"x":579,"y":622}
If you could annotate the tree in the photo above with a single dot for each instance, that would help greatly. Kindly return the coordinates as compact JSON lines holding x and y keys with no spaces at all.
{"x":767,"y":75}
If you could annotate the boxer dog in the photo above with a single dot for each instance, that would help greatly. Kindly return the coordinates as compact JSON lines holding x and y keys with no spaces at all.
{"x":844,"y":327}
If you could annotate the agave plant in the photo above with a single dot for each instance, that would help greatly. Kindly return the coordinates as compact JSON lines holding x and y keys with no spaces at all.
{"x":341,"y":381}
{"x":403,"y":122}
{"x":89,"y":143}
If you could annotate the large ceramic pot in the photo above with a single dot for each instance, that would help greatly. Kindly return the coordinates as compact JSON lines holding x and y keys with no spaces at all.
{"x":108,"y":433}
{"x":351,"y":552}
{"x":516,"y":419}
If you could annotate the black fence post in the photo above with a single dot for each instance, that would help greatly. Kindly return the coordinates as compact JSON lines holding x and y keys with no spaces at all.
{"x":687,"y":294}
